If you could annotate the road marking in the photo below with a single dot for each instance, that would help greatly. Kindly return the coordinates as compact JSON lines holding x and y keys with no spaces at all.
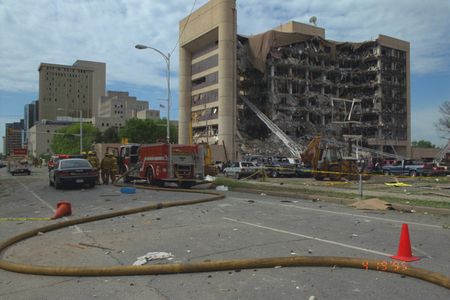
{"x":309,"y":237}
{"x":78,"y":229}
{"x":421,"y":251}
{"x":340,"y":213}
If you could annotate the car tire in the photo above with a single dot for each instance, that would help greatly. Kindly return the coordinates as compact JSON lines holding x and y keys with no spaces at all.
{"x":149,"y":176}
{"x":237,"y":176}
{"x":413,"y":173}
{"x":274,"y":174}
{"x":386,"y":173}
{"x":92,"y":185}
{"x":56,"y":184}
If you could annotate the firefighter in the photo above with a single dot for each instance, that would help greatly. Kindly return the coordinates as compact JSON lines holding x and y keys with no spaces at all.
{"x":106,"y":166}
{"x":84,"y":154}
{"x":93,"y":159}
{"x":114,"y":168}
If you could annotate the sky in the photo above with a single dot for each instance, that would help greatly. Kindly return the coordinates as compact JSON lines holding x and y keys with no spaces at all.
{"x":62,"y":31}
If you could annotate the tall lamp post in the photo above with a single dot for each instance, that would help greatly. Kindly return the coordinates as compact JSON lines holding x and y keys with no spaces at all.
{"x":167,"y":59}
{"x":81,"y":132}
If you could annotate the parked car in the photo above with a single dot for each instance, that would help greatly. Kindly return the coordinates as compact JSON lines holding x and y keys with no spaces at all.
{"x":72,"y":171}
{"x":277,"y":166}
{"x":2,"y":164}
{"x":408,"y":167}
{"x":53,"y":161}
{"x":438,"y":170}
{"x":241,"y":169}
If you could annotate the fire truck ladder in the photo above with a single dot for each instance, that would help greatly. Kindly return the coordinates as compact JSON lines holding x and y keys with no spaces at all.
{"x":441,"y":154}
{"x":295,"y":149}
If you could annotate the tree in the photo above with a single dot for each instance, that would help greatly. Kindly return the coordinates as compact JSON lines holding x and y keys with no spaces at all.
{"x":443,"y":124}
{"x":147,"y":131}
{"x":67,"y":141}
{"x":110,"y":135}
{"x":423,"y":144}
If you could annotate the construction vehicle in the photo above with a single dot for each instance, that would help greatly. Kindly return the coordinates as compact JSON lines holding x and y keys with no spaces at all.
{"x":210,"y":166}
{"x":151,"y":163}
{"x":327,"y":161}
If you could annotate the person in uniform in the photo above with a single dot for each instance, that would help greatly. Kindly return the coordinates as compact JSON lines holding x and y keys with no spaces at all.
{"x":106,"y":166}
{"x":93,"y":159}
{"x":114,"y":169}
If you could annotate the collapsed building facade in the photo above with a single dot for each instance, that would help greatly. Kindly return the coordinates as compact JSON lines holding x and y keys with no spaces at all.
{"x":305,"y":84}
{"x":308,"y":85}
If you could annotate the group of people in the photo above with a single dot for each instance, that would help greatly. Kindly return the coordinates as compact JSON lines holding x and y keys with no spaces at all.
{"x":107,"y":167}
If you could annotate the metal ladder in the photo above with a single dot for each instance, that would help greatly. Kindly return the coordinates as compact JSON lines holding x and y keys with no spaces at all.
{"x":441,"y":154}
{"x":295,"y":149}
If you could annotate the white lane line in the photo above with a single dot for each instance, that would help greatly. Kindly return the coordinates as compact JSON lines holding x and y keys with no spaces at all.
{"x":78,"y":229}
{"x":421,"y":251}
{"x":340,"y":213}
{"x":309,"y":237}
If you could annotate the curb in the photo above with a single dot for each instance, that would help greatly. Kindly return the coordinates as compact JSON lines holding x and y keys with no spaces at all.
{"x":328,"y":199}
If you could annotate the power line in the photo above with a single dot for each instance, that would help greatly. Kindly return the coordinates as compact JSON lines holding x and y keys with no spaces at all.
{"x":184,"y":27}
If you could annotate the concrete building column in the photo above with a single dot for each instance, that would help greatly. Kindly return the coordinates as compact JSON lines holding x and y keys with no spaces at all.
{"x":184,"y":98}
{"x":227,"y":75}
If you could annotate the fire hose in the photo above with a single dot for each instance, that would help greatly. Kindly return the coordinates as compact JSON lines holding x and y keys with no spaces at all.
{"x":202,"y":266}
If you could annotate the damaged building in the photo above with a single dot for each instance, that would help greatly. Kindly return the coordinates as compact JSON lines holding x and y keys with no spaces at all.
{"x":305,"y":84}
{"x":308,"y":85}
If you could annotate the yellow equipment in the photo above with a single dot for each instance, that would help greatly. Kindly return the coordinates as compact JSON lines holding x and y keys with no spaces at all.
{"x":328,"y":162}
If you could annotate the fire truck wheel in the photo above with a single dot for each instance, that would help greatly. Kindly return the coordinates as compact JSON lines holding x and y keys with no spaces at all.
{"x":150,"y":179}
{"x":186,"y":184}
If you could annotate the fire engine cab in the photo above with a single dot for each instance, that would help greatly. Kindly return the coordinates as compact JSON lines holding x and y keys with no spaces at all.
{"x":151,"y":162}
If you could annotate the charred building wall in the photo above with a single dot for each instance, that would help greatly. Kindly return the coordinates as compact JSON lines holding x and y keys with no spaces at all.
{"x":296,"y":78}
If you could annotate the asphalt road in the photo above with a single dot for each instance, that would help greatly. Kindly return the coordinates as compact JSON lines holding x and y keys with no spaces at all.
{"x":239,"y":226}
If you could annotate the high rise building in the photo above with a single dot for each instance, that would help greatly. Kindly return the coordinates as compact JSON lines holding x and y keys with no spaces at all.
{"x":14,"y":136}
{"x":207,"y":76}
{"x":71,"y":90}
{"x":304,"y":83}
{"x":31,"y":114}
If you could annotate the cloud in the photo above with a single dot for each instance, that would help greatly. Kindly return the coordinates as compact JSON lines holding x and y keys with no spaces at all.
{"x":61,"y":32}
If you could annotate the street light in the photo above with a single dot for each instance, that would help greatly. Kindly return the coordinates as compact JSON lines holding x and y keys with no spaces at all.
{"x":167,"y":59}
{"x":81,"y":132}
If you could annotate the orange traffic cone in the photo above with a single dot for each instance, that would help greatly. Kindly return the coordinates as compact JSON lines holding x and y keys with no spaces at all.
{"x":63,"y":208}
{"x":404,"y":248}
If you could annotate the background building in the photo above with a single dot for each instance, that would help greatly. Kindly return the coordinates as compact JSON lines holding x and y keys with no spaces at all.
{"x":14,"y":137}
{"x":31,"y":115}
{"x":41,"y":136}
{"x":304,"y":83}
{"x":117,"y":107}
{"x":67,"y":90}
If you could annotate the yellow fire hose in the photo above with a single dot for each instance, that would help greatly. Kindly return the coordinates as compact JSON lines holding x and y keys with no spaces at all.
{"x":204,"y":266}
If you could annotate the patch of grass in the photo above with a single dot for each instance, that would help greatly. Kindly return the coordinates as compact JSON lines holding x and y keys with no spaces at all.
{"x":233,"y":184}
{"x":414,"y":202}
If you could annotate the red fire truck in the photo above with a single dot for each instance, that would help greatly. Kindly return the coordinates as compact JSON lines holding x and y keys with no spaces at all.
{"x":151,"y":162}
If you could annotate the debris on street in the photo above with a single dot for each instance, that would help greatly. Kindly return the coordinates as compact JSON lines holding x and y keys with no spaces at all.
{"x":142,"y":260}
